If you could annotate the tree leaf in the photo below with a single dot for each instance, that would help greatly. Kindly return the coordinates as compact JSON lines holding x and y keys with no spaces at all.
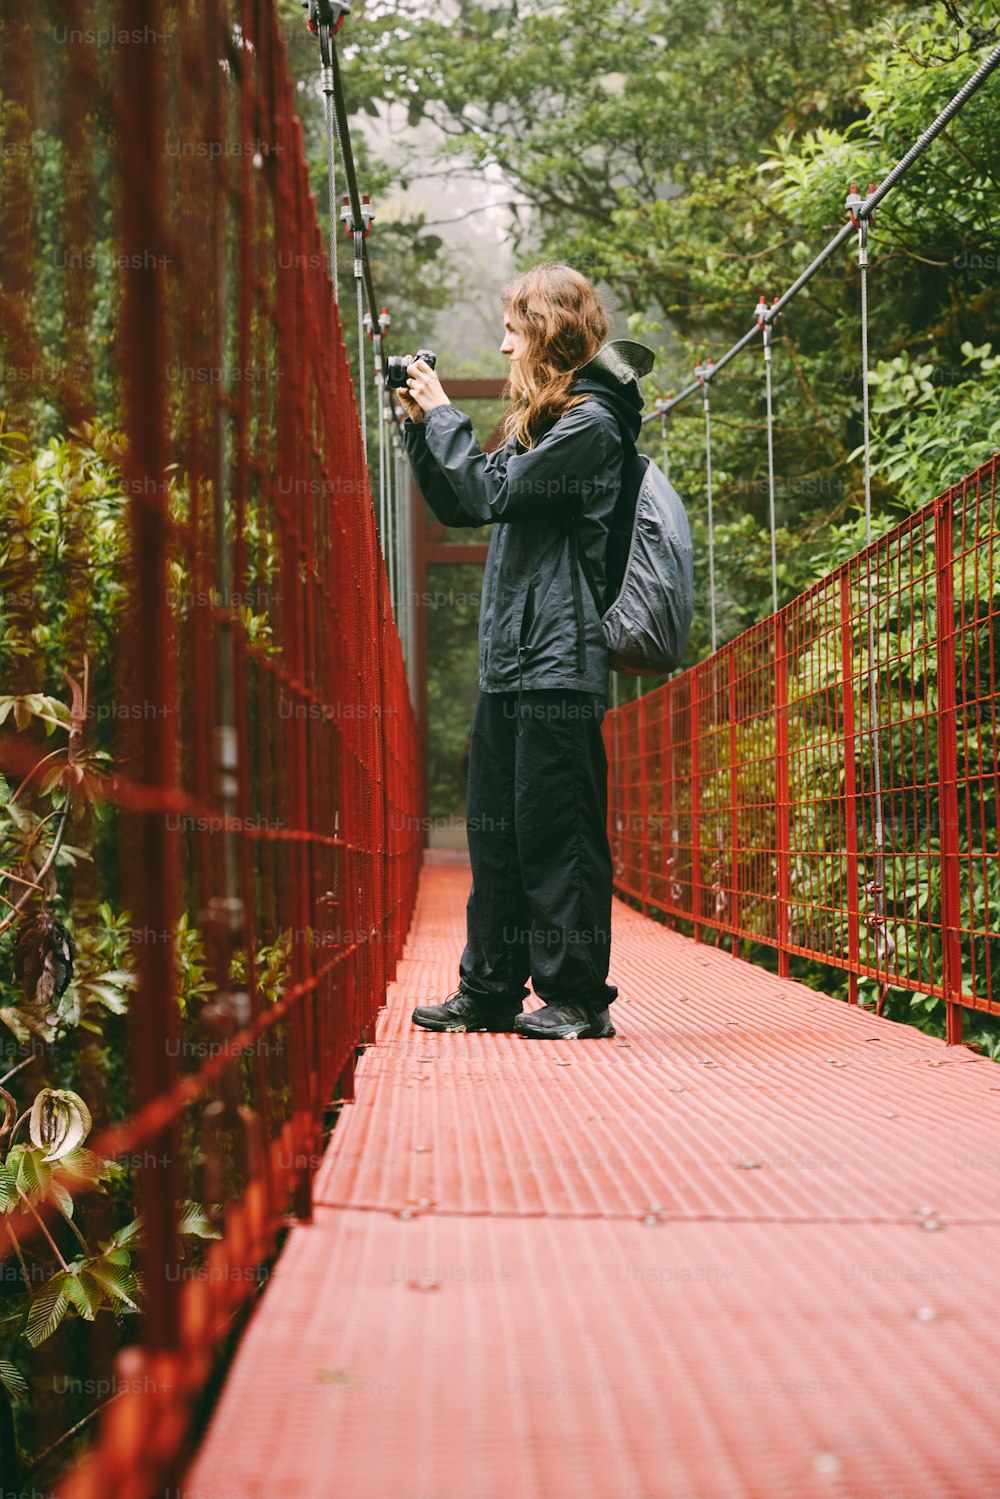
{"x":120,"y":977}
{"x":195,"y":1223}
{"x":62,"y":1198}
{"x":13,"y":1381}
{"x":119,"y":1281}
{"x":60,"y":1120}
{"x":129,"y":1234}
{"x":46,"y":1311}
{"x":8,"y":1191}
{"x":74,"y":1291}
{"x":32,"y":1173}
{"x":83,"y":1164}
{"x":12,"y":1020}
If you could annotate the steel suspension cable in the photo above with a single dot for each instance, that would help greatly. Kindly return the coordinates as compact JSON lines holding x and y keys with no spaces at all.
{"x":362,"y":400}
{"x":404,"y":544}
{"x":327,"y":87}
{"x":397,"y":525}
{"x":385,"y":524}
{"x":395,"y":529}
{"x":412,"y":521}
{"x":356,"y":210}
{"x":402,"y":500}
{"x":884,"y":947}
{"x":864,"y":211}
{"x":377,"y":388}
{"x":331,"y":178}
{"x":391,"y":519}
{"x":770,"y":471}
{"x":705,"y":373}
{"x":766,"y":334}
{"x":661,"y":410}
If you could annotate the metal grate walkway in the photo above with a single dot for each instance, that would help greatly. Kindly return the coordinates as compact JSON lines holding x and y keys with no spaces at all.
{"x":744,"y":1250}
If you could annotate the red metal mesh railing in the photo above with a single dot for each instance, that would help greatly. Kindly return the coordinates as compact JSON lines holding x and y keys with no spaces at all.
{"x":827,"y":782}
{"x":187,"y":525}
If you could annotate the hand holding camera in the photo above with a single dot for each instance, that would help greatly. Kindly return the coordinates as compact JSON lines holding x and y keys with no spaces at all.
{"x":414,"y":380}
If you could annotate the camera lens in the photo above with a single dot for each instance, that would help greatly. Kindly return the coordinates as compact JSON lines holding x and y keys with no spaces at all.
{"x":395,"y":373}
{"x":397,"y":364}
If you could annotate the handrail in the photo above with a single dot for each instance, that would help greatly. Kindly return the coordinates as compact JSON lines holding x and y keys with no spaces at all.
{"x":743,"y":793}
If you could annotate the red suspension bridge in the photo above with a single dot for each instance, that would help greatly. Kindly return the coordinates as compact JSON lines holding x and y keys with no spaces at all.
{"x":742,"y":1249}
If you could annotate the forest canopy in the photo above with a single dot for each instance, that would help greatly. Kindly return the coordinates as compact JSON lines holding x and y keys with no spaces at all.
{"x":692,"y":157}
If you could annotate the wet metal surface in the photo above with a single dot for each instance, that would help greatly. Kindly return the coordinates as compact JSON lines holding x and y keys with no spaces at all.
{"x":743,"y":1249}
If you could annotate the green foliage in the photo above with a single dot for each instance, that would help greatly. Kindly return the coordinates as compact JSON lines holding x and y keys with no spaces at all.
{"x":63,"y":553}
{"x":705,"y":159}
{"x":926,"y":431}
{"x":273,"y":967}
{"x":51,"y":1169}
{"x":102,"y":978}
{"x":194,"y":984}
{"x":452,"y":613}
{"x":64,"y":560}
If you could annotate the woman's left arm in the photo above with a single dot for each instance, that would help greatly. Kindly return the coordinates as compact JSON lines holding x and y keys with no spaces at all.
{"x":551,"y":473}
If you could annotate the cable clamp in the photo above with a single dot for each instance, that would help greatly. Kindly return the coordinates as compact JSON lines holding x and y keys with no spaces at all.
{"x":367,"y":217}
{"x":326,"y":13}
{"x":676,"y":889}
{"x":384,"y":320}
{"x":719,"y":888}
{"x":703,"y":373}
{"x":855,"y":201}
{"x":766,"y":316}
{"x":885,"y":947}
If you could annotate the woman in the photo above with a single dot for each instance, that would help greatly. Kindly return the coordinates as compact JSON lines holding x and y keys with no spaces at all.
{"x":540,"y":903}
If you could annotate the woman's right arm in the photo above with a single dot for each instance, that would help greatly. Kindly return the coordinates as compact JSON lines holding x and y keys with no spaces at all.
{"x":432,"y":481}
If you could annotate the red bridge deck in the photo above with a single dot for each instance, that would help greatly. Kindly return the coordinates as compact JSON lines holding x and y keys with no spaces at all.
{"x":746,"y":1248}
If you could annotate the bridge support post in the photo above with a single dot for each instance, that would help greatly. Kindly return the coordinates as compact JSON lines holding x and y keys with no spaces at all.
{"x":669,"y":834}
{"x":782,"y":819}
{"x":693,"y":718}
{"x":642,"y":748}
{"x":951,"y":897}
{"x":734,"y":806}
{"x":850,"y":784}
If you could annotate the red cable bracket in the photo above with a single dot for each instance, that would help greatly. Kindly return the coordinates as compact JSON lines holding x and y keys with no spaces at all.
{"x":854,"y":202}
{"x":367,"y":217}
{"x":328,"y":13}
{"x":766,"y":315}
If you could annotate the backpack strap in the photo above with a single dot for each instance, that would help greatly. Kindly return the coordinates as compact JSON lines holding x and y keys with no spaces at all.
{"x":575,"y":560}
{"x":578,"y":557}
{"x":580,"y":561}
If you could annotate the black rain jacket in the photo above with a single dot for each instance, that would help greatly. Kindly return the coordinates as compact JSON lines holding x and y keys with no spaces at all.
{"x":532,"y":601}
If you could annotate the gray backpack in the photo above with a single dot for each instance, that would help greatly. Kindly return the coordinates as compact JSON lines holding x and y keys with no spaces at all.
{"x":646,"y":612}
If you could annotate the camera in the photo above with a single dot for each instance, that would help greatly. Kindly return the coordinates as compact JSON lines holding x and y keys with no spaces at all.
{"x":397,"y":365}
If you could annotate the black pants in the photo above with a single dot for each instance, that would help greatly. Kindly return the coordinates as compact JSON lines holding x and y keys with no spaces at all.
{"x":540,"y":903}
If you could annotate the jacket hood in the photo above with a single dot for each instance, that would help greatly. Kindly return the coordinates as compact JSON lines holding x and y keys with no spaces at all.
{"x":614,"y":373}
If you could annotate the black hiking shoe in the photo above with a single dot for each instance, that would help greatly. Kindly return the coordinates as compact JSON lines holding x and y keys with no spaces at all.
{"x":564,"y":1022}
{"x":466,"y":1012}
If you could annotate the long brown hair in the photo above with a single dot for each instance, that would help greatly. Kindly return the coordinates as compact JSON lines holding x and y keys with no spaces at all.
{"x":564,"y":323}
